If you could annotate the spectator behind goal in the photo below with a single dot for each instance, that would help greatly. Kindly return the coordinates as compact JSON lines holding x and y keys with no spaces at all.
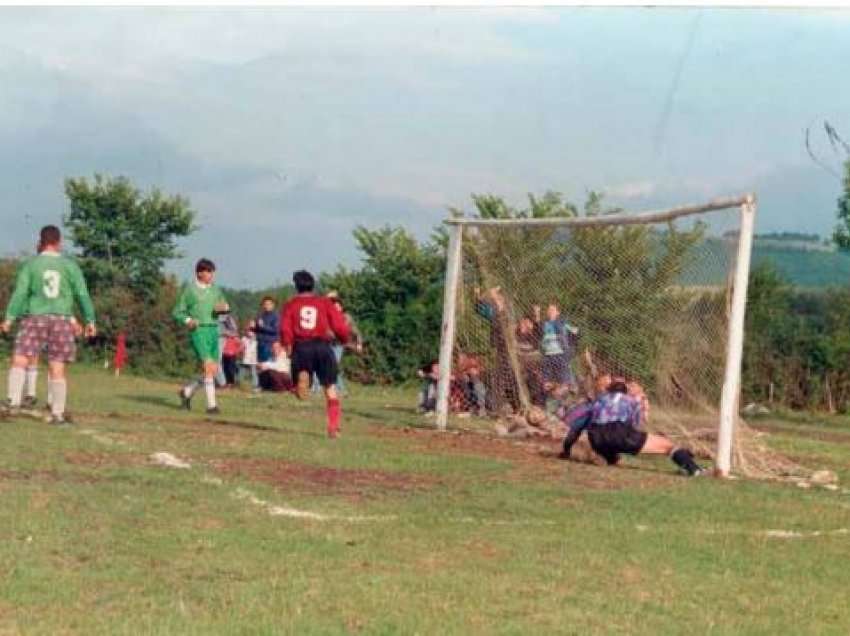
{"x":430,"y":374}
{"x":557,"y":348}
{"x":276,"y":374}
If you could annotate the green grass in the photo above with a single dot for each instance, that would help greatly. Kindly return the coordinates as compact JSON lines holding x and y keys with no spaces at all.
{"x":423,"y":533}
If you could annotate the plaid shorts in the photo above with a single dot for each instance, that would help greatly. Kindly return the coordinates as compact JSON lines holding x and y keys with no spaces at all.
{"x":54,"y":332}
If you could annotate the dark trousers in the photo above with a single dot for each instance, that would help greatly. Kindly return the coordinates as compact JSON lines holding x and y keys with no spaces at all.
{"x":265,"y":350}
{"x":230,"y":368}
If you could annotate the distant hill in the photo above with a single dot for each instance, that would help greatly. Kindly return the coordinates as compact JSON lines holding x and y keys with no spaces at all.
{"x":806,"y":265}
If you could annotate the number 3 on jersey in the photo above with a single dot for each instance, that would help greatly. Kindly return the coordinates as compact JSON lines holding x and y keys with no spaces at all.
{"x":51,"y":279}
{"x":307,"y":317}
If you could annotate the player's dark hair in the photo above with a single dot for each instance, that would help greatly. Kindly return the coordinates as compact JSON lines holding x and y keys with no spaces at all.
{"x":303,"y":281}
{"x":265,"y":298}
{"x":204,"y":265}
{"x":618,"y":386}
{"x":49,"y":235}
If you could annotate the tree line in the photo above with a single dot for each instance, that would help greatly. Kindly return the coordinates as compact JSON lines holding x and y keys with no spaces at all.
{"x":796,"y":353}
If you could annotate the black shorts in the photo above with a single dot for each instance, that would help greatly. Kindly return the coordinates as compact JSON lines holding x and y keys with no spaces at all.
{"x":609,"y":440}
{"x":315,"y":356}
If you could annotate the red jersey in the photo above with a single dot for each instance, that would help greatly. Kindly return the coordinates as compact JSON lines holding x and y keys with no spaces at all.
{"x":311,"y":317}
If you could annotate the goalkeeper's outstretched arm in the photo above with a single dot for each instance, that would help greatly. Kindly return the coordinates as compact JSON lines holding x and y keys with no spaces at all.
{"x":578,"y":419}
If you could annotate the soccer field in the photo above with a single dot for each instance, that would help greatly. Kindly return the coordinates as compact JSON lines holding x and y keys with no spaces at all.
{"x":394,"y":528}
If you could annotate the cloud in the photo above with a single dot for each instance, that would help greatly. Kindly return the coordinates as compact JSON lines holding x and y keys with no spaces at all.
{"x":632,"y":190}
{"x":288,"y":126}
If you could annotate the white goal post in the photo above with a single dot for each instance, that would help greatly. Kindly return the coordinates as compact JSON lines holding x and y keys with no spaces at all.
{"x":739,"y":278}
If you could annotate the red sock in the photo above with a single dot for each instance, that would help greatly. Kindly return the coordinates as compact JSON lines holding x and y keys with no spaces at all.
{"x":334,"y":412}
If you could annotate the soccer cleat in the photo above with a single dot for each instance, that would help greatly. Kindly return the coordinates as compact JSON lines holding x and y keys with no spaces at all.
{"x":684,"y":459}
{"x":29,"y":402}
{"x":7,"y":410}
{"x":185,"y":402}
{"x":302,"y":388}
{"x":213,"y":411}
{"x":59,"y":420}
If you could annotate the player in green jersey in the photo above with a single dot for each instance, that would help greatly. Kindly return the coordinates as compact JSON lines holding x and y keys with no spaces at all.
{"x":198,"y":308}
{"x":46,"y":288}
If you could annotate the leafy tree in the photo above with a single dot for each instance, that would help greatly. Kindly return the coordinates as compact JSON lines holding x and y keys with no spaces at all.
{"x":512,"y":259}
{"x":245,"y":303}
{"x":523,"y":262}
{"x":125,"y":236}
{"x":396,"y":298}
{"x":621,"y":282}
{"x":612,"y":281}
{"x":770,"y":329}
{"x":841,"y":235}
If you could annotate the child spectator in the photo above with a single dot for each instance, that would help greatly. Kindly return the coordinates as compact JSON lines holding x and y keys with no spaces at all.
{"x":557,"y":349}
{"x":120,"y":358}
{"x":268,"y":329}
{"x":467,"y":377}
{"x":231,"y":348}
{"x":636,"y":391}
{"x":226,"y":327}
{"x":355,"y":341}
{"x":249,"y":353}
{"x":276,"y":374}
{"x":492,"y":305}
{"x":430,"y":373}
{"x":528,"y":336}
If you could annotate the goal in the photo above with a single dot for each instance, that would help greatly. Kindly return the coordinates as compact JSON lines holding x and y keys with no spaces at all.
{"x":539,"y":311}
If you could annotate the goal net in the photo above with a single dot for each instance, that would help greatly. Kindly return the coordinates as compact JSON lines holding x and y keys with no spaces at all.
{"x":540,"y":313}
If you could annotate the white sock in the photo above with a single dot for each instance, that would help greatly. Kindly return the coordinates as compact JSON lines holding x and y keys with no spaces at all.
{"x":189,"y":389}
{"x":60,"y":394}
{"x":17,"y":377}
{"x":49,"y":392}
{"x":209,"y":387}
{"x":32,"y":378}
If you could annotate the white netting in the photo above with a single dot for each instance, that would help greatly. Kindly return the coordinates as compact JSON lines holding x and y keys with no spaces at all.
{"x":544,"y":313}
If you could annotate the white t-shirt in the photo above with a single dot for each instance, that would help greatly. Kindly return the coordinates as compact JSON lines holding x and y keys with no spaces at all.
{"x":249,"y":350}
{"x":281,"y":364}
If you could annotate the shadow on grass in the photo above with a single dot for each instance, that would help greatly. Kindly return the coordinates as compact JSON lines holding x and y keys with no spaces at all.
{"x":163,"y":401}
{"x":155,"y":400}
{"x":414,"y":420}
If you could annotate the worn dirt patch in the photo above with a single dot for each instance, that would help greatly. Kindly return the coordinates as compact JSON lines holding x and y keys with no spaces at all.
{"x":322,"y":480}
{"x":531,"y":460}
{"x":189,"y":427}
{"x":103,"y":460}
{"x":47,"y":476}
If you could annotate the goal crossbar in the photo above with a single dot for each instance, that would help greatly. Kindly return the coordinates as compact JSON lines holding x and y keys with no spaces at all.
{"x":655,"y":216}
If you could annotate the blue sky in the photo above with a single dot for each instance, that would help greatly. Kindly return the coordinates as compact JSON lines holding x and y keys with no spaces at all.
{"x":287,"y":127}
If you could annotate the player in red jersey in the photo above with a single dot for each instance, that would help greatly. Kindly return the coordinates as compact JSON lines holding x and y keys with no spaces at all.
{"x":308,"y":324}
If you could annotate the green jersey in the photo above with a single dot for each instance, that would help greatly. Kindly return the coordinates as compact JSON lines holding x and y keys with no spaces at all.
{"x":197,"y":302}
{"x":48,"y":284}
